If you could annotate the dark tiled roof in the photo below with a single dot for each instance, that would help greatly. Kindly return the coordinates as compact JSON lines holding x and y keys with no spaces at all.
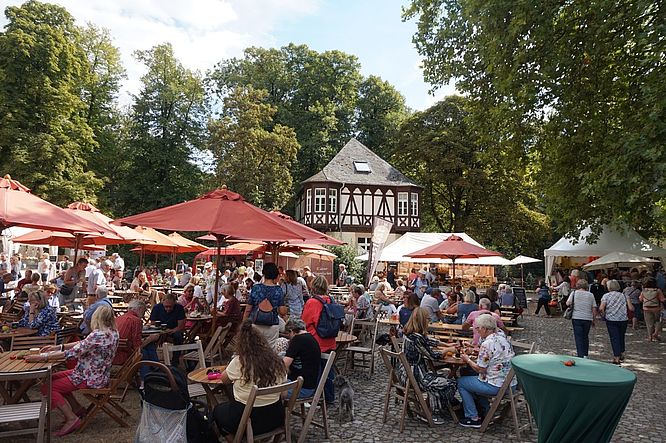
{"x":341,"y":168}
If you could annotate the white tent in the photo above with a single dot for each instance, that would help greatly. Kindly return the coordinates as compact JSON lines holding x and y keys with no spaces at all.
{"x":413,"y":241}
{"x":619,"y":259}
{"x":610,"y":240}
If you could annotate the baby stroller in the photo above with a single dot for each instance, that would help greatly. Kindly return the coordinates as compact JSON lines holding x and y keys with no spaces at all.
{"x":168,"y":414}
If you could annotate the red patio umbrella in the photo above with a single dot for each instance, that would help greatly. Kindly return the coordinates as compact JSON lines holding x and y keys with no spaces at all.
{"x":223,"y":213}
{"x":55,"y":238}
{"x":19,"y":207}
{"x":123,"y":234}
{"x":453,"y":248}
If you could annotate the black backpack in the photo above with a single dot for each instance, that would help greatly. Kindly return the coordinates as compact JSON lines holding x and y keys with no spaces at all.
{"x":331,"y":318}
{"x":158,"y":392}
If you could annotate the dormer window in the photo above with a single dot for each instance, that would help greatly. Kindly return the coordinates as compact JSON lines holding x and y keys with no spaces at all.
{"x":362,"y":166}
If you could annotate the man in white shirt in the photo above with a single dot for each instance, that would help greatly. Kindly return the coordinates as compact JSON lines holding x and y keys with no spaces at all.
{"x":92,"y":265}
{"x":97,"y":278}
{"x":186,"y":277}
{"x":249,"y":269}
{"x":431,"y":305}
{"x":225,"y":277}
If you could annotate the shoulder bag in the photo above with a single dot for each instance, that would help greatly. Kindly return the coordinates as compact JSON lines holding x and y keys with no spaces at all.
{"x":568,"y":313}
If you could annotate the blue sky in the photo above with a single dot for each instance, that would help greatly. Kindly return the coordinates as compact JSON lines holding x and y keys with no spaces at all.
{"x":205,"y":31}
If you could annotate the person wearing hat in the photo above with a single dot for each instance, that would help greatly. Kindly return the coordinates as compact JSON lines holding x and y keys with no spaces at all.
{"x":421,"y":284}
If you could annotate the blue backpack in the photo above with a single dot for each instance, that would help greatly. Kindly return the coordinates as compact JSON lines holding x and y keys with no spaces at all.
{"x":331,"y":318}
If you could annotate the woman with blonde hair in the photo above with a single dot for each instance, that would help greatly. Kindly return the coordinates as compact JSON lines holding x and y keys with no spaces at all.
{"x":419,"y":350}
{"x":255,"y":364}
{"x":94,"y":356}
{"x":40,"y":315}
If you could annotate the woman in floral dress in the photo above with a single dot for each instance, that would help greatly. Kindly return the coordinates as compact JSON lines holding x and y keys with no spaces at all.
{"x":94,"y":354}
{"x":419,"y":350}
{"x":493,"y":366}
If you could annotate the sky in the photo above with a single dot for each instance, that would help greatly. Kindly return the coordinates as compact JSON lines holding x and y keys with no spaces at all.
{"x":203,"y":32}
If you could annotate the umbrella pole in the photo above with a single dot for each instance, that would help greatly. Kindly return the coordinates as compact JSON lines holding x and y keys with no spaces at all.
{"x":217,"y":277}
{"x":453,"y":265}
{"x":173,"y":259}
{"x":76,"y":247}
{"x":522,"y":276}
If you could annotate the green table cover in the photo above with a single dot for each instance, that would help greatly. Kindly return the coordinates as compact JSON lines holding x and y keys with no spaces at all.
{"x":581,"y":403}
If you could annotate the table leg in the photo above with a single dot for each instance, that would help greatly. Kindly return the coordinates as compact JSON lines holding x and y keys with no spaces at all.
{"x":21,"y":391}
{"x":210,"y":397}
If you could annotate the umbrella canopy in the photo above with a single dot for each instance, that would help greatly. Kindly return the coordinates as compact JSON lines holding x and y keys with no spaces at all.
{"x":153,"y":241}
{"x":619,"y":259}
{"x":523,"y":260}
{"x":221,"y":212}
{"x":185,"y":244}
{"x":453,"y":247}
{"x":123,"y":234}
{"x":19,"y":207}
{"x":55,"y":238}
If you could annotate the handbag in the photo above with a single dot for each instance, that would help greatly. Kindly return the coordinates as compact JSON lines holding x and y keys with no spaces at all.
{"x":568,"y":314}
{"x":265,"y":314}
{"x":66,"y":290}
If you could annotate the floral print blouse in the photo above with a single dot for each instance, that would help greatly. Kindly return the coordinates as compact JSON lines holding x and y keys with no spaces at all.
{"x":46,"y":321}
{"x":95,"y":355}
{"x":495,"y":355}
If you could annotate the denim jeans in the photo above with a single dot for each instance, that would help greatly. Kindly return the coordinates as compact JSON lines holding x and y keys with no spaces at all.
{"x":616,"y":331}
{"x":329,"y":389}
{"x":581,"y":330}
{"x":470,"y":385}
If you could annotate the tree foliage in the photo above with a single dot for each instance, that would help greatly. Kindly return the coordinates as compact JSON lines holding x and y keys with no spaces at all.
{"x":440,"y":150}
{"x":167,"y":123}
{"x":253,"y":155}
{"x":45,"y":140}
{"x":576,"y":87}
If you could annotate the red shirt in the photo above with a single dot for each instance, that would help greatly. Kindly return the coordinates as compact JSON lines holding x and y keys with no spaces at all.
{"x":129,"y":327}
{"x":310,"y":315}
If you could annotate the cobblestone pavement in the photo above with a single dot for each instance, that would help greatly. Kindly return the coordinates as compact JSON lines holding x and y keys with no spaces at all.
{"x":642,"y":420}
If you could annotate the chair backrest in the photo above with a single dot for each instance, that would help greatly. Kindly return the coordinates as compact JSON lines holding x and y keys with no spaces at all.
{"x":523,"y":348}
{"x":125,"y":373}
{"x":245,"y":425}
{"x":215,"y":343}
{"x":399,"y":357}
{"x":330,"y":360}
{"x":22,"y":343}
{"x":66,"y":335}
{"x":169,"y":348}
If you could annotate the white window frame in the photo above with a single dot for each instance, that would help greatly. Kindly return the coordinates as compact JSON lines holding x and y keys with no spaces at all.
{"x":333,"y":201}
{"x":363,"y":244}
{"x":403,"y":201}
{"x":308,"y":201}
{"x":414,"y":204}
{"x":320,"y":200}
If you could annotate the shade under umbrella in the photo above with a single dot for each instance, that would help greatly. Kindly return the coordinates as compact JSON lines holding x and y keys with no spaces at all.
{"x":453,"y":248}
{"x":618,"y":259}
{"x":19,"y":207}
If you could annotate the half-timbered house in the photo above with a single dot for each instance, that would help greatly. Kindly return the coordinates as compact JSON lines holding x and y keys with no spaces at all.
{"x":356,"y":185}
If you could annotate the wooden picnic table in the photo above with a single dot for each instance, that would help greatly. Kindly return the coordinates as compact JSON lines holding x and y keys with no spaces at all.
{"x":18,"y":332}
{"x":389,"y":321}
{"x":201,"y":376}
{"x":439,"y":326}
{"x":9,"y":363}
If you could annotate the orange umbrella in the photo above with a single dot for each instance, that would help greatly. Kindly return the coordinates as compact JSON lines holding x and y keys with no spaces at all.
{"x":19,"y":207}
{"x":55,"y":238}
{"x":180,"y":245}
{"x":123,"y":234}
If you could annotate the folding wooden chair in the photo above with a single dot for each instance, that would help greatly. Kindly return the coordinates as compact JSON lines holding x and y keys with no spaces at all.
{"x":213,"y":350}
{"x":364,"y":351}
{"x":67,"y":335}
{"x":316,"y":399}
{"x":195,"y":389}
{"x":21,"y":412}
{"x":102,"y":398}
{"x":406,"y":393}
{"x":23,"y":343}
{"x":245,"y":425}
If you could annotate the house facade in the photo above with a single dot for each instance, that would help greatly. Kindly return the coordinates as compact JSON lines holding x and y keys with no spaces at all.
{"x":355,"y":186}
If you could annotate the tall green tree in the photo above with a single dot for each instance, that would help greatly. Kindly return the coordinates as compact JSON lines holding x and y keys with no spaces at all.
{"x":253,"y":154}
{"x":45,"y":140}
{"x":381,"y":111}
{"x":100,"y":96}
{"x":167,"y":124}
{"x":442,"y":151}
{"x":576,"y":87}
{"x":314,"y":93}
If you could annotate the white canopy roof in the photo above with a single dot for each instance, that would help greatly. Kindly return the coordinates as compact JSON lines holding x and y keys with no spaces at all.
{"x":620,"y":259}
{"x":413,"y":241}
{"x":610,"y":240}
{"x":523,"y":260}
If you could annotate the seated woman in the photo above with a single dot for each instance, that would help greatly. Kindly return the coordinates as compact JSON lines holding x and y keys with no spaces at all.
{"x":255,"y":364}
{"x":385,"y":303}
{"x":419,"y":349}
{"x":94,"y":356}
{"x":40,"y":315}
{"x":189,"y":301}
{"x":492,"y":365}
{"x":140,"y":284}
{"x":410,"y":301}
{"x":231,"y":309}
{"x":364,"y":309}
{"x":465,"y":308}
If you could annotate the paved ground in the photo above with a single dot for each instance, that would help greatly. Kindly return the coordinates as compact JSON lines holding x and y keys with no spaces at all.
{"x":643,"y":419}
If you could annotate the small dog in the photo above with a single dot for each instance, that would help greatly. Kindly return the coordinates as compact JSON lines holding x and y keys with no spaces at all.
{"x":346,"y":394}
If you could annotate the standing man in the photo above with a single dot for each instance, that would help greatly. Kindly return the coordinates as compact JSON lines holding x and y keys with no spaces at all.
{"x":342,"y":275}
{"x":97,"y":278}
{"x":181,"y":267}
{"x":186,"y":277}
{"x":118,"y":266}
{"x":249,"y":269}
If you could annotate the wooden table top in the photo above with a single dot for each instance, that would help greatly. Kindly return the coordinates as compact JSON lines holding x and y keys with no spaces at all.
{"x":7,"y":364}
{"x":445,"y":326}
{"x":389,"y":321}
{"x":200,"y":375}
{"x":18,"y":332}
{"x":345,"y":337}
{"x":202,"y":318}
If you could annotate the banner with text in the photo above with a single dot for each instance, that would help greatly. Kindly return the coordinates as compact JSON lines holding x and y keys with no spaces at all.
{"x":380,"y":231}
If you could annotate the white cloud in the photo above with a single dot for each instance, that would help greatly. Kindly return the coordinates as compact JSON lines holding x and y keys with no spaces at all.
{"x":202,"y":32}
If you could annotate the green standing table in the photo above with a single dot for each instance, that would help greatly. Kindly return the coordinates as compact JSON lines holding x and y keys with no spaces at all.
{"x":581,"y":403}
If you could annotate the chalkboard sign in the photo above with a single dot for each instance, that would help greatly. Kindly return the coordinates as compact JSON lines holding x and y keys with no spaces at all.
{"x":520,"y":296}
